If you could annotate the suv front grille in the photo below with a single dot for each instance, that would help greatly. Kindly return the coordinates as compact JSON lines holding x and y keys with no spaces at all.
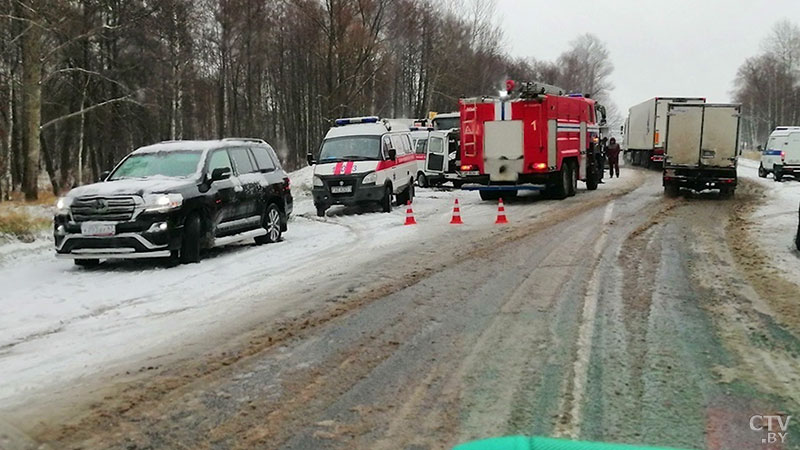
{"x":110,"y":209}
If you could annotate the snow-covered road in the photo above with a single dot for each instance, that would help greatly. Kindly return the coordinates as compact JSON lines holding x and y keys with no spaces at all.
{"x":62,"y":324}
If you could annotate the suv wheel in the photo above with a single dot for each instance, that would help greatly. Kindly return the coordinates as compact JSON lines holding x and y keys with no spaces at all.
{"x":272,"y":223}
{"x":87,"y":262}
{"x":190,"y":241}
{"x":321,"y":210}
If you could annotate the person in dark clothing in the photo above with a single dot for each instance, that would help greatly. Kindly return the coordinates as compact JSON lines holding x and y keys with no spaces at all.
{"x":612,"y":153}
{"x":600,"y":159}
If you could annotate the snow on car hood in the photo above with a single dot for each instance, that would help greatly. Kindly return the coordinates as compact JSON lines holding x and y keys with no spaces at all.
{"x":140,"y":186}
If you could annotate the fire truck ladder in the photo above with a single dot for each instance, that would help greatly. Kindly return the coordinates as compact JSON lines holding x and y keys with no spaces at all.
{"x":469,"y":136}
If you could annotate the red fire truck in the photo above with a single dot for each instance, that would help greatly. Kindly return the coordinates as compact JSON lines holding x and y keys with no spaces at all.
{"x":533,"y":138}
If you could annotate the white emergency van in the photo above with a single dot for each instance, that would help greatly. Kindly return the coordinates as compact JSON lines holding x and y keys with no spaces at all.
{"x":781,"y":155}
{"x":364,"y":160}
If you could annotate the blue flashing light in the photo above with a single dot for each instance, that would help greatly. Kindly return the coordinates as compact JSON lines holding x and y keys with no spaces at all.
{"x":576,"y":95}
{"x":353,"y":120}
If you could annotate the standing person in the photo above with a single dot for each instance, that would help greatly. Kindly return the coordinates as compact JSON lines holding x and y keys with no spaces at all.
{"x":600,"y":160}
{"x":612,"y":153}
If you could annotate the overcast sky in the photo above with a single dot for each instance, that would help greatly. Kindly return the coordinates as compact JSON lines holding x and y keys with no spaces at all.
{"x":659,"y":48}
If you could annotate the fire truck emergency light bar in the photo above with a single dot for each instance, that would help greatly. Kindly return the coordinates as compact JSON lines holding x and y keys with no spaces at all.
{"x":352,"y":120}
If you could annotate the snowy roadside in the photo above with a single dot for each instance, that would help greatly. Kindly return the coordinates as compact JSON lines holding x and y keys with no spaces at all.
{"x":775,"y":221}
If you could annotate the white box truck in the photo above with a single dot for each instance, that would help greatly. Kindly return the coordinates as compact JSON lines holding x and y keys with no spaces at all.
{"x":645,"y":130}
{"x":701,"y":147}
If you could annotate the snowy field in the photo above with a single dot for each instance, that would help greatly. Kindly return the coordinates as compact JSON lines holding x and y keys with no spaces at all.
{"x":61,"y":324}
{"x":776,"y":220}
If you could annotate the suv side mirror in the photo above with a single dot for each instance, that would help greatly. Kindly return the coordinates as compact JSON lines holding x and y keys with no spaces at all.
{"x":392,"y":154}
{"x":310,"y":159}
{"x":103,"y":175}
{"x":220,"y":173}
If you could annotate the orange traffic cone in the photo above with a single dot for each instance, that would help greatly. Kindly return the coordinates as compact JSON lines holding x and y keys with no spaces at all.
{"x":501,"y":213}
{"x":456,"y":220}
{"x":410,"y":216}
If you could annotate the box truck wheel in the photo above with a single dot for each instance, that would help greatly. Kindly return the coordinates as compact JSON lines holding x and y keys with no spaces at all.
{"x":672,"y":190}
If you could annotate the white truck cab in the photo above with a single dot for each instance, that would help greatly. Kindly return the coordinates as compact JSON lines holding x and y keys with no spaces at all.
{"x":781,"y":155}
{"x":364,"y":160}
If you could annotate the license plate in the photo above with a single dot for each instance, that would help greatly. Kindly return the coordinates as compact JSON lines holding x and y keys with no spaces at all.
{"x":98,"y":229}
{"x":341,"y":189}
{"x":470,"y":173}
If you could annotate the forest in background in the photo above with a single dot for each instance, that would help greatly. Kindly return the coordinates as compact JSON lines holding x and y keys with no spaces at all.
{"x":84,"y":82}
{"x":768,"y":85}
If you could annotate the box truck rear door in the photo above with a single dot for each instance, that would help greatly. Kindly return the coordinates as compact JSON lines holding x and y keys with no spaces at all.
{"x":720,"y":135}
{"x":684,"y":135}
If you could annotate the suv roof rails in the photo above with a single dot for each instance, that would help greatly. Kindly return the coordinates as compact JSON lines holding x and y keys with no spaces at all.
{"x":256,"y":140}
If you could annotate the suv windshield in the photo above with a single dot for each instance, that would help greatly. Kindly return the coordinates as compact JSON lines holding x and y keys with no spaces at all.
{"x":168,"y":164}
{"x":351,"y":148}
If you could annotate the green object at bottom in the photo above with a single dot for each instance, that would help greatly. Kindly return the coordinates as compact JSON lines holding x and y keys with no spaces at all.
{"x":538,"y":443}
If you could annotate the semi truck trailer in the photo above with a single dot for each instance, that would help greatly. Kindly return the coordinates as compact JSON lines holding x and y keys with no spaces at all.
{"x":645,"y":130}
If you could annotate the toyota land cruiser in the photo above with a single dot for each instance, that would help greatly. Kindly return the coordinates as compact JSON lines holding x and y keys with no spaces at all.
{"x":174,"y":199}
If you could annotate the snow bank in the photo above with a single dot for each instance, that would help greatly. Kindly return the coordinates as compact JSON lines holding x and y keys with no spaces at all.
{"x":776,"y":219}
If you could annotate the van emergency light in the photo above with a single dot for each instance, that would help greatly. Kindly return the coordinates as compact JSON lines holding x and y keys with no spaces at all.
{"x":354,"y":120}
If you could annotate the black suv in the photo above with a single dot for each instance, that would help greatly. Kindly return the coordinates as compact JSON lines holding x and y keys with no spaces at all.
{"x":174,"y":199}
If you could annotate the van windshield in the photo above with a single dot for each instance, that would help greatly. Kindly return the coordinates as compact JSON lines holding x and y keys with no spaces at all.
{"x":351,"y":148}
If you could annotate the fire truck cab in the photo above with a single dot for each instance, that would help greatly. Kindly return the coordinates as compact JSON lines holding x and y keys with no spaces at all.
{"x":539,"y":138}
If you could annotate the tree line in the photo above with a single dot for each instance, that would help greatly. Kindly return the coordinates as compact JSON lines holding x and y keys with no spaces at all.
{"x":84,"y":82}
{"x":768,"y":85}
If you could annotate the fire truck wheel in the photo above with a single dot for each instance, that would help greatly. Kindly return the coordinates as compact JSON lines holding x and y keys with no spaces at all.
{"x":422,"y":180}
{"x":573,"y":184}
{"x":490,"y":195}
{"x":560,"y":190}
{"x":386,"y":202}
{"x":591,"y":178}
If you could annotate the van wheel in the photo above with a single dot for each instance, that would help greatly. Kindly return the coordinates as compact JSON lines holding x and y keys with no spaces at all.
{"x":190,"y":241}
{"x":386,"y":202}
{"x":422,"y":180}
{"x":320,"y":210}
{"x":777,"y":175}
{"x":271,"y":223}
{"x":88,"y":263}
{"x":762,"y":172}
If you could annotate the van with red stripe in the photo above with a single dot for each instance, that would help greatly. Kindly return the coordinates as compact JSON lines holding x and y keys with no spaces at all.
{"x":364,"y":160}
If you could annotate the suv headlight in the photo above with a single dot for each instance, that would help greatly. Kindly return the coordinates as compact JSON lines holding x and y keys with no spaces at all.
{"x":318,"y":181}
{"x":63,"y":204}
{"x":162,"y":202}
{"x":370,"y":178}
